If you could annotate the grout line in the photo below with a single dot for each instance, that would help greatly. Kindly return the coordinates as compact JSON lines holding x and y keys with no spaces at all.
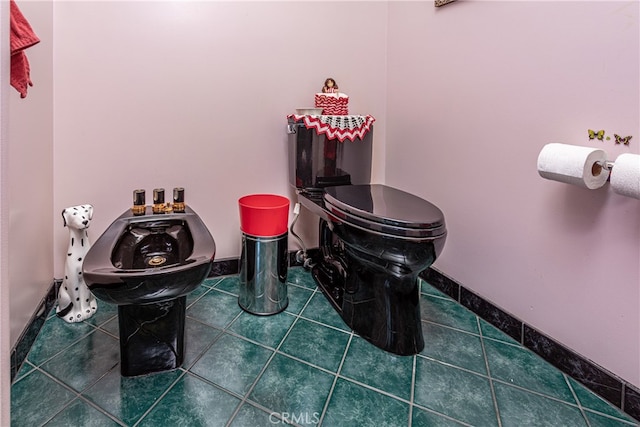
{"x":198,"y":298}
{"x":245,"y":398}
{"x":213,"y":384}
{"x":386,"y":393}
{"x":114,"y":367}
{"x":159,"y":399}
{"x":546,"y":396}
{"x":440,"y":414}
{"x":451,"y":327}
{"x":88,"y":386}
{"x":86,"y":401}
{"x":335,"y":379}
{"x":111,"y":334}
{"x":93,"y":330}
{"x":60,"y":383}
{"x":586,"y":410}
{"x":486,"y":362}
{"x":203,"y":323}
{"x":505,"y":342}
{"x":372,"y":388}
{"x":317,"y":291}
{"x":252,"y":341}
{"x":216,"y":280}
{"x":297,"y":359}
{"x":510,"y":342}
{"x":81,"y":395}
{"x":438,"y":296}
{"x":413,"y":387}
{"x":575,"y":396}
{"x":258,"y":377}
{"x":317,"y":322}
{"x":257,"y":406}
{"x":78,"y":396}
{"x":450,"y":365}
{"x":206,"y":349}
{"x":222,"y":291}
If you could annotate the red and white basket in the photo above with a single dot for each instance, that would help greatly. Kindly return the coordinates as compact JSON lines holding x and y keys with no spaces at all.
{"x":333,"y":104}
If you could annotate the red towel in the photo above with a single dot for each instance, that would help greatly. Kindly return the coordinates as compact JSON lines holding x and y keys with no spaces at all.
{"x":21,"y":37}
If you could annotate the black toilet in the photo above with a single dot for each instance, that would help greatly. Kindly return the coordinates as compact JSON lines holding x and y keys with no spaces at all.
{"x":374,"y":239}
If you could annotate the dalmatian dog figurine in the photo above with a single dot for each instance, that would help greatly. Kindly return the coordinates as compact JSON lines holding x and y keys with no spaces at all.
{"x":75,"y":301}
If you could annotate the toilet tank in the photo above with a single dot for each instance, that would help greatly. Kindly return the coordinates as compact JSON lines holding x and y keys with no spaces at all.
{"x":316,"y":162}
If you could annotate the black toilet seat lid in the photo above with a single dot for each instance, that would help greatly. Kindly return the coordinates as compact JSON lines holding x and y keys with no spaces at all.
{"x":386,"y":209}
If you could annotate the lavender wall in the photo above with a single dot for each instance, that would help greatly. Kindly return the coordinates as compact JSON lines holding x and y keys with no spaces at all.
{"x":196,"y":94}
{"x":26,"y":188}
{"x":5,"y":330}
{"x":476,"y":89}
{"x":29,"y":189}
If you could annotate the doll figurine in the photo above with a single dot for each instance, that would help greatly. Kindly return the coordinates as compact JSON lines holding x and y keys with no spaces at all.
{"x":330,"y":86}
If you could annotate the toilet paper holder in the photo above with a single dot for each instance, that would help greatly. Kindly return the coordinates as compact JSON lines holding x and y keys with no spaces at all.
{"x":598,"y":166}
{"x":589,"y":168}
{"x":607,"y":164}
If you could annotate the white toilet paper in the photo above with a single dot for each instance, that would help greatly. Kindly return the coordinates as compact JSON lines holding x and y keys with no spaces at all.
{"x":625,"y":175}
{"x":573,"y":164}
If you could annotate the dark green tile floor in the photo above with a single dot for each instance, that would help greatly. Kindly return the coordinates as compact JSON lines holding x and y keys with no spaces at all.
{"x":300,"y":367}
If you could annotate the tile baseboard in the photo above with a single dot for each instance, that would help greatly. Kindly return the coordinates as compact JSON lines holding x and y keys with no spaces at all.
{"x":602,"y":382}
{"x":27,"y":338}
{"x":225,"y":267}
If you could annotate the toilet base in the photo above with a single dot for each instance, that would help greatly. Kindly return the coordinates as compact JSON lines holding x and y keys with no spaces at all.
{"x":152,"y":336}
{"x":378,"y":299}
{"x":381,"y":308}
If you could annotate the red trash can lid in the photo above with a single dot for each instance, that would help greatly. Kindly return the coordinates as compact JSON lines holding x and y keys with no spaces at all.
{"x":264,"y":215}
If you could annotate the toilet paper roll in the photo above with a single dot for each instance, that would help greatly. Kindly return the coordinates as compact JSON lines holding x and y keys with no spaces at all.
{"x":625,"y":175}
{"x":572,"y":164}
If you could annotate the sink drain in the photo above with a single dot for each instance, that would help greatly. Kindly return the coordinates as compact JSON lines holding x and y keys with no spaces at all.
{"x":157,"y":260}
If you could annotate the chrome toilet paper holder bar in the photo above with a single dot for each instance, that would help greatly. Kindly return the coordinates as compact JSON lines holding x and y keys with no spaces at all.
{"x":599,"y":166}
{"x":607,"y":164}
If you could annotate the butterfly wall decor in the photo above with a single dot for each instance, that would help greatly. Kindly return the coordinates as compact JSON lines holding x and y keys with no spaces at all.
{"x":599,"y":134}
{"x":439,"y":3}
{"x":621,"y":140}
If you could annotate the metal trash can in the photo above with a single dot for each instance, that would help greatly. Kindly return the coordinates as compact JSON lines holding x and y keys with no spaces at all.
{"x":264,"y":261}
